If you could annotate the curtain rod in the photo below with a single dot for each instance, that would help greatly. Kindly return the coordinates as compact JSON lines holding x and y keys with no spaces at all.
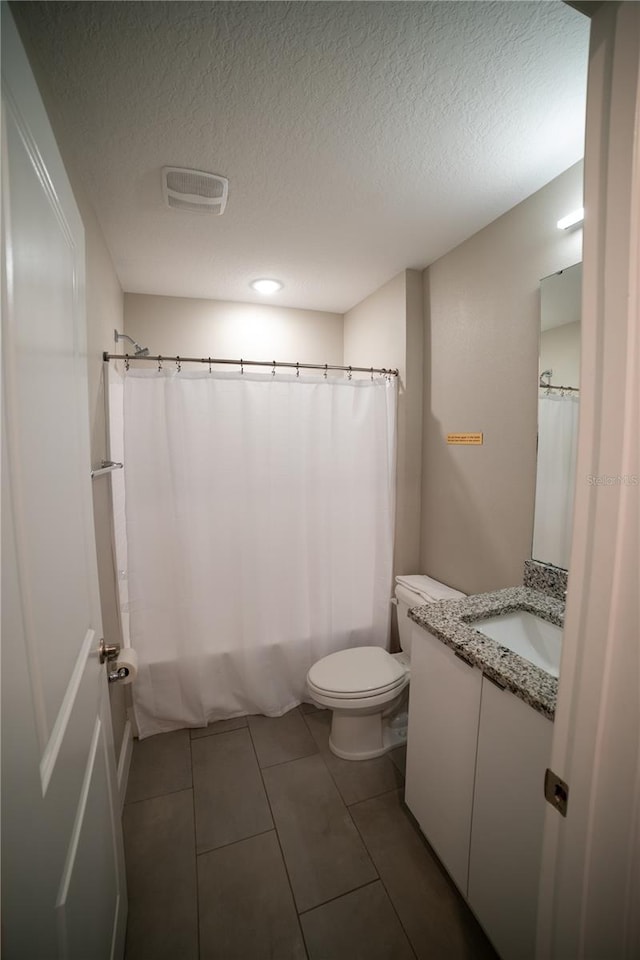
{"x":552,"y":386}
{"x":128,"y":358}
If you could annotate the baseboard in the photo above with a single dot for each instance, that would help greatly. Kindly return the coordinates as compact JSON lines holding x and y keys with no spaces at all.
{"x":124,"y":760}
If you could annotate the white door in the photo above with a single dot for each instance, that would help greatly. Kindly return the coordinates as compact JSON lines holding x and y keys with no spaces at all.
{"x":63,"y":892}
{"x":590,"y":878}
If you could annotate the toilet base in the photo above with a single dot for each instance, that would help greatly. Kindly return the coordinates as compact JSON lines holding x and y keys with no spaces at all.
{"x":363,"y":736}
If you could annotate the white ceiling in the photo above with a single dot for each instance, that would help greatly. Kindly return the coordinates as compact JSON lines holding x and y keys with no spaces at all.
{"x":359,"y":138}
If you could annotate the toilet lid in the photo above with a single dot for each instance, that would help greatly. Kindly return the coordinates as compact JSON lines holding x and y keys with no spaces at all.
{"x":359,"y":671}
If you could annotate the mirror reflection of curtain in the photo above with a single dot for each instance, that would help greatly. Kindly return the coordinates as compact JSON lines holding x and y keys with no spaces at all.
{"x":555,"y":482}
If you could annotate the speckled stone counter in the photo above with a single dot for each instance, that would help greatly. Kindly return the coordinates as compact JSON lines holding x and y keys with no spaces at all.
{"x":449,"y":620}
{"x":546,"y":578}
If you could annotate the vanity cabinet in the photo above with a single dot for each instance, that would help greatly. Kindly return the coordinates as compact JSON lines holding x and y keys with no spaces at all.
{"x":444,"y":708}
{"x":476,"y":758}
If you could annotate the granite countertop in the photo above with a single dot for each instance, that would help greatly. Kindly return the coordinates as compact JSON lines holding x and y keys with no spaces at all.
{"x":449,"y":621}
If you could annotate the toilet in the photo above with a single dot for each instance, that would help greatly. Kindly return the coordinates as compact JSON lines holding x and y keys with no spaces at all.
{"x":367,"y":687}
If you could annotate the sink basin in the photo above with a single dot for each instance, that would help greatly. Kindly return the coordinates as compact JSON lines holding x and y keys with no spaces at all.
{"x":537,"y":640}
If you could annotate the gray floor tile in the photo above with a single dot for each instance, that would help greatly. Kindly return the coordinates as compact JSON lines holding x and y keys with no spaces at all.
{"x":398,"y":758}
{"x":230,"y":801}
{"x":159,"y":765}
{"x":246,"y":908}
{"x":359,"y":926}
{"x":279,"y":739}
{"x":356,"y":779}
{"x":220,"y":726}
{"x":161,"y":878}
{"x":323,"y":852}
{"x":433,"y":914}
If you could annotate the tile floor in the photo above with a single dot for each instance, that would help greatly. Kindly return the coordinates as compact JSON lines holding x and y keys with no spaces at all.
{"x":250,"y":840}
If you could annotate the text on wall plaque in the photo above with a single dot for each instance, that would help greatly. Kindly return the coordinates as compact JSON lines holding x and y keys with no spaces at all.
{"x":474,"y":439}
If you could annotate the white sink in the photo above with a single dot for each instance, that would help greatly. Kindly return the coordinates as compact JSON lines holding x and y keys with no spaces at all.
{"x":537,"y":640}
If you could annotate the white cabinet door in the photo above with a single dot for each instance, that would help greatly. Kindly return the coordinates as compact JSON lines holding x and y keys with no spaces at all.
{"x":63,"y":892}
{"x":444,"y":707}
{"x":514,"y":748}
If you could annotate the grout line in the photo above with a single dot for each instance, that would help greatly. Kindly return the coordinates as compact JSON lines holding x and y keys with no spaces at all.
{"x":337,"y":785}
{"x":195,"y":848}
{"x":333,"y":779}
{"x":475,"y":776}
{"x":384,"y":886}
{"x":339,"y":896}
{"x":375,"y":796}
{"x":431,"y":853}
{"x":385,"y":793}
{"x":215,"y":733}
{"x":366,"y":849}
{"x":275,"y":827}
{"x":232,"y":843}
{"x":157,"y":796}
{"x":281,"y":763}
{"x":348,"y":812}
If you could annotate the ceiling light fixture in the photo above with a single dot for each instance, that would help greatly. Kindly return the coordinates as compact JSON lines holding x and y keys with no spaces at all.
{"x":266,"y":286}
{"x":573,"y":219}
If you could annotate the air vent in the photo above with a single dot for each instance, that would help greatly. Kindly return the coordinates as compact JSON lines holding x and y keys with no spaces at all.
{"x":194,"y":190}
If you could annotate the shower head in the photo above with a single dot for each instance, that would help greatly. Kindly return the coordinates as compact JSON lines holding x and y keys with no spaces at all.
{"x":140,"y":351}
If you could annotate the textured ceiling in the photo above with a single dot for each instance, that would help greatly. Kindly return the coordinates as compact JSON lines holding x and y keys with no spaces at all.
{"x":358,"y":138}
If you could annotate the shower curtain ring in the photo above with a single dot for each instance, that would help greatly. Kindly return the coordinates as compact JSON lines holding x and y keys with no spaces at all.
{"x":241,"y":365}
{"x":325,"y":371}
{"x":126,"y":361}
{"x":209,"y":364}
{"x":349,"y":374}
{"x":159,"y":363}
{"x":273,"y":372}
{"x":297,"y":369}
{"x":372,"y":373}
{"x":178,"y":364}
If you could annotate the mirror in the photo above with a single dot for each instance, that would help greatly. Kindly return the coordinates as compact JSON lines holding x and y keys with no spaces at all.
{"x":558,"y":406}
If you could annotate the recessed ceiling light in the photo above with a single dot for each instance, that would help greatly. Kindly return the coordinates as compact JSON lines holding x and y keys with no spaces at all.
{"x":266,"y":286}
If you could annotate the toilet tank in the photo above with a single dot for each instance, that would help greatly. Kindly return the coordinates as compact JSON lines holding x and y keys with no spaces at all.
{"x":423,"y":590}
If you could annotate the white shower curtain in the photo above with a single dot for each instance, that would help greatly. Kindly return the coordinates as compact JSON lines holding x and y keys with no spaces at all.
{"x":259,"y":528}
{"x":556,"y":478}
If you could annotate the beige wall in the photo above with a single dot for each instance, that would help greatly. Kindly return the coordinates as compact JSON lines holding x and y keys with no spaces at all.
{"x":385,"y":330}
{"x":561,"y":297}
{"x":560,"y":352}
{"x":190,"y":327}
{"x":481,"y":367}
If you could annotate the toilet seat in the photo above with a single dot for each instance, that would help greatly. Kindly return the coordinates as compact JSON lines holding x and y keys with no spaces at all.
{"x":357,"y":673}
